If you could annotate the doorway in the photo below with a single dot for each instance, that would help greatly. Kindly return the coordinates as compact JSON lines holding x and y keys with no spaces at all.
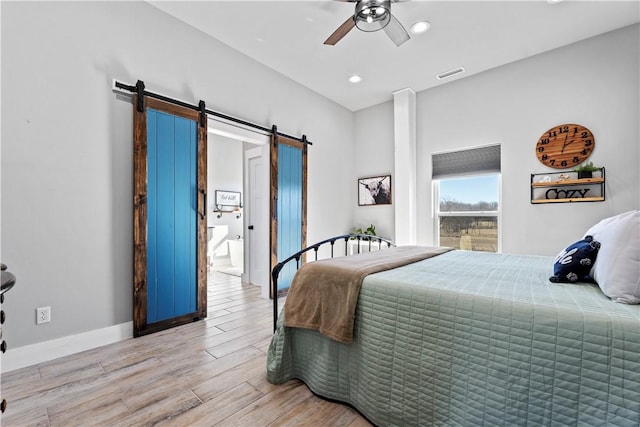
{"x":238,"y":233}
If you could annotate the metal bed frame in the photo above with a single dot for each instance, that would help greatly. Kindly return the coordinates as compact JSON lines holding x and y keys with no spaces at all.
{"x":298,"y":256}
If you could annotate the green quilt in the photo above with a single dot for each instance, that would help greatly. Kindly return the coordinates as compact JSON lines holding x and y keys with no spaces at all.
{"x":470,"y":339}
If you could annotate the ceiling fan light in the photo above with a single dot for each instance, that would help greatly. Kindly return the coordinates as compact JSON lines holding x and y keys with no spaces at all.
{"x":372,"y":15}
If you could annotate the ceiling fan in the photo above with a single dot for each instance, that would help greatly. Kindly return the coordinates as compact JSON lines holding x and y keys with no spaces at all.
{"x":371,"y":15}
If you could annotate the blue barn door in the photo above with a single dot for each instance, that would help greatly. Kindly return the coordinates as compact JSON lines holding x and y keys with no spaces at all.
{"x":169,"y":271}
{"x":288,"y":188}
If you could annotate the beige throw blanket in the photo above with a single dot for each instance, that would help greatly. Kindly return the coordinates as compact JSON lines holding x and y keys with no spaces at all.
{"x":323,"y":294}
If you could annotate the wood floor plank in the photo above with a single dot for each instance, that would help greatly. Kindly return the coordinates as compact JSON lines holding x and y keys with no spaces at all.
{"x":196,"y":357}
{"x":20,"y":375}
{"x":249,"y":305}
{"x":175,"y":377}
{"x":263,"y":345}
{"x":360,"y":421}
{"x":212,"y":314}
{"x":162,"y":410}
{"x":214,"y":386}
{"x":232,"y":360}
{"x":244,"y":321}
{"x":55,"y":386}
{"x":128,"y":359}
{"x":231,"y":346}
{"x":270,"y":407}
{"x":211,"y":372}
{"x":215,"y":411}
{"x":51,"y":394}
{"x":260,"y":383}
{"x":30,"y":416}
{"x":99,"y":412}
{"x":317,"y":412}
{"x":217,"y":340}
{"x":67,"y":367}
{"x":237,"y":305}
{"x":199,"y":329}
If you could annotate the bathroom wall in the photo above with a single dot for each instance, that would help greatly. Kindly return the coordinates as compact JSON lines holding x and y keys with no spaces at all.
{"x":225,"y":172}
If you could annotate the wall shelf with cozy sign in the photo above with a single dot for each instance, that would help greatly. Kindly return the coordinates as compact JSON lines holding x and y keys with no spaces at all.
{"x":566,"y":187}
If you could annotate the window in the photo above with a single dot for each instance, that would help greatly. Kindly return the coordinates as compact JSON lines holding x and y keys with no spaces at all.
{"x":467,"y":198}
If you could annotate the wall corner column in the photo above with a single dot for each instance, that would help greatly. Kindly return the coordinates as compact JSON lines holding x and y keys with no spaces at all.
{"x":404,"y":181}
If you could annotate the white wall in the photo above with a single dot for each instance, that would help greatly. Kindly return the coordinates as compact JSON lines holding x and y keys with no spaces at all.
{"x":225,"y":173}
{"x":67,"y":144}
{"x":594,"y":83}
{"x":374,"y":153}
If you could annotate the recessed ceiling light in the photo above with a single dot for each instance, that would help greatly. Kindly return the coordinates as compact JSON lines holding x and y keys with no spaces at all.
{"x":554,"y":1}
{"x":420,"y":27}
{"x":355,"y":79}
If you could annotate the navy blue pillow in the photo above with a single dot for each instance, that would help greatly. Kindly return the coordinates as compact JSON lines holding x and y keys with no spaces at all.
{"x":574,"y":263}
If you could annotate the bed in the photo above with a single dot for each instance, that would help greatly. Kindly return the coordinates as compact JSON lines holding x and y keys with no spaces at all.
{"x":468,"y":338}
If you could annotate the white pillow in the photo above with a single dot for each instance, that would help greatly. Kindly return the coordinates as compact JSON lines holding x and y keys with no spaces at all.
{"x":617,"y":266}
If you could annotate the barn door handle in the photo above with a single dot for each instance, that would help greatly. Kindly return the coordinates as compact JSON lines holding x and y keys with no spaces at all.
{"x":204,"y":211}
{"x":275,"y":208}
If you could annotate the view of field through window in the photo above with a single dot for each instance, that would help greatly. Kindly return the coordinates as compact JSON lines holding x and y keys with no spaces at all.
{"x":475,"y":200}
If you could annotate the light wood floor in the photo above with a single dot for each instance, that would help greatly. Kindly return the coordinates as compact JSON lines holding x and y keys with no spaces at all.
{"x":210,"y":372}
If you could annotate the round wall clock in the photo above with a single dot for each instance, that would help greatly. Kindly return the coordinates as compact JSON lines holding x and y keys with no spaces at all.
{"x":565,"y":146}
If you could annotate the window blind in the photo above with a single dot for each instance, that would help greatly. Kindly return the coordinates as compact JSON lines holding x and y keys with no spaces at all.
{"x":466,"y":162}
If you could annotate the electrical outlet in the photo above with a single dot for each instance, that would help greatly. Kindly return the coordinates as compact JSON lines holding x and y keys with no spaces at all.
{"x":43,"y":315}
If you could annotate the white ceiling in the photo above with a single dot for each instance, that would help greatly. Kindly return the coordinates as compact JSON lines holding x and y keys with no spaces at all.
{"x":288,"y":37}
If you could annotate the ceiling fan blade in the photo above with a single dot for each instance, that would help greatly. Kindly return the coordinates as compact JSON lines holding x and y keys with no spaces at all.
{"x":341,"y":31}
{"x":396,"y":31}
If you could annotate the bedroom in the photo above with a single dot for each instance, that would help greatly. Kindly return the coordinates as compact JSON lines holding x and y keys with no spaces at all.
{"x":66,"y":140}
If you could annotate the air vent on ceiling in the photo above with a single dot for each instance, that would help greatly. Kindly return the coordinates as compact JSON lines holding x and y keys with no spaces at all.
{"x":450,"y":73}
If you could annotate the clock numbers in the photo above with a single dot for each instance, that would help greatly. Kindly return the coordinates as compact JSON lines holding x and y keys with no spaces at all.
{"x":565,"y":146}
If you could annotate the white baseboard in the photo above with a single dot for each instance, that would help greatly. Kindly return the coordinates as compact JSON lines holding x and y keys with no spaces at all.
{"x":20,"y":357}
